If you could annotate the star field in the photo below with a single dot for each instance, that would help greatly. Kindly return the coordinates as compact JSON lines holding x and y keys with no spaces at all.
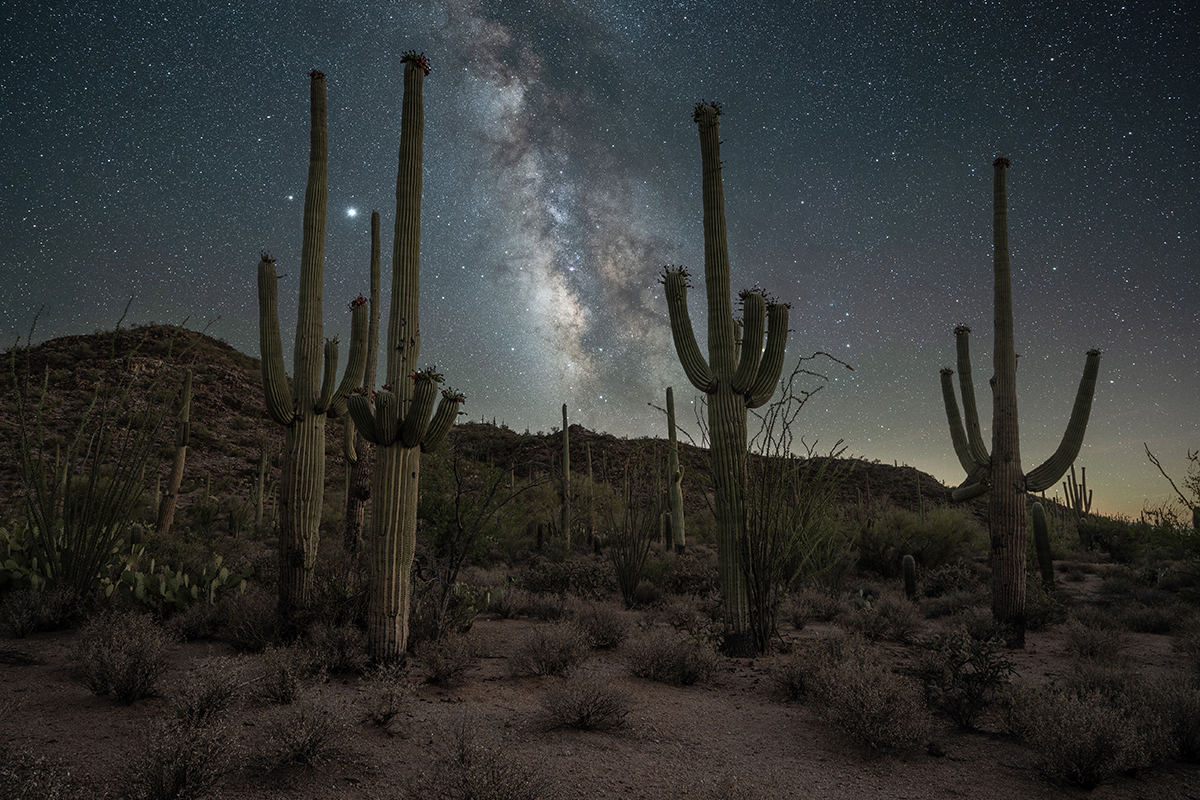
{"x":153,"y":151}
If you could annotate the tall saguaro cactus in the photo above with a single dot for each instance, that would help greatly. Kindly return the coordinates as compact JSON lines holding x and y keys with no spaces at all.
{"x":359,"y":453}
{"x":998,"y":472}
{"x":313,"y":396}
{"x":734,"y":377}
{"x":166,"y":509}
{"x":398,"y":423}
{"x":566,"y":478}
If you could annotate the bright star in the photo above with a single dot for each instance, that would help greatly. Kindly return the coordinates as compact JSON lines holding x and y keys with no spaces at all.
{"x":351,"y":212}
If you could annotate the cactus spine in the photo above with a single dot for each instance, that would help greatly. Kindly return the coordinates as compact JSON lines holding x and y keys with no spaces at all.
{"x":674,"y":476}
{"x":398,"y":423}
{"x":734,"y":378}
{"x":359,"y":453}
{"x":313,"y":395}
{"x":999,"y":473}
{"x":166,"y":508}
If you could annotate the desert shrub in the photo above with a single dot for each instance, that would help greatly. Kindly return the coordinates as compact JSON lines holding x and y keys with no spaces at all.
{"x":26,"y":611}
{"x":1188,"y":643}
{"x":510,"y":603}
{"x":645,"y":595}
{"x":1079,"y":738}
{"x":388,"y":694}
{"x":690,"y":575}
{"x":283,"y":673}
{"x":178,"y":761}
{"x":546,"y":607}
{"x":793,"y":675}
{"x":122,"y":653}
{"x":946,"y":535}
{"x":448,"y":661}
{"x":554,"y":649}
{"x":197,"y":621}
{"x":667,"y":657}
{"x":604,"y":623}
{"x":249,"y":621}
{"x":1042,"y":605}
{"x":867,"y":700}
{"x":587,"y":702}
{"x":888,"y":618}
{"x":206,"y":693}
{"x":690,"y":614}
{"x":468,"y":771}
{"x":950,"y":578}
{"x":979,"y":623}
{"x":953,"y":602}
{"x":337,"y":649}
{"x":816,"y":603}
{"x":583,"y":577}
{"x":963,"y":674}
{"x":1178,"y":701}
{"x":307,"y":735}
{"x":1150,"y":619}
{"x":1086,"y":640}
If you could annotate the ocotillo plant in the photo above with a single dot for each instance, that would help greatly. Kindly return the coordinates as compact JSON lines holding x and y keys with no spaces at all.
{"x":733,"y":381}
{"x":999,"y":472}
{"x":398,"y":422}
{"x":313,"y":396}
{"x":166,"y":509}
{"x":359,"y":453}
{"x":674,"y":476}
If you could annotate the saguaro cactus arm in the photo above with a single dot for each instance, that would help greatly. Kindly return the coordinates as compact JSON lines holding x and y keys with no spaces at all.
{"x":771,"y":365}
{"x":958,"y":435}
{"x":676,"y":282}
{"x":333,"y":401}
{"x":443,"y":419}
{"x":1047,"y":474}
{"x":274,"y":375}
{"x":975,"y":446}
{"x":754,"y":313}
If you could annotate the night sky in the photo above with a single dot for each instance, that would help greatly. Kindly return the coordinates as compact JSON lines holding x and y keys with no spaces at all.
{"x":152,"y":151}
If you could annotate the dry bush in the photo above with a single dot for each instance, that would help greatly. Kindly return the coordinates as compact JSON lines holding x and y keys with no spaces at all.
{"x":666,"y":657}
{"x":178,"y":761}
{"x":888,"y":618}
{"x":388,"y":694}
{"x":337,"y":648}
{"x":1080,"y":738}
{"x":874,"y":705}
{"x":26,"y":611}
{"x":963,"y":675}
{"x":979,"y":623}
{"x":1092,"y":642}
{"x":206,"y":693}
{"x":587,"y":702}
{"x":605,"y":623}
{"x":691,"y":615}
{"x":468,"y":771}
{"x":306,"y":735}
{"x":554,"y":649}
{"x":448,"y":660}
{"x":122,"y":653}
{"x":283,"y":672}
{"x":249,"y":621}
{"x":29,"y":775}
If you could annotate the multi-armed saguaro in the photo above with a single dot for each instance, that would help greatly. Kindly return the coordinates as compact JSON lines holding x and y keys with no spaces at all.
{"x":733,"y":381}
{"x":399,"y":424}
{"x":313,"y":396}
{"x":999,"y":472}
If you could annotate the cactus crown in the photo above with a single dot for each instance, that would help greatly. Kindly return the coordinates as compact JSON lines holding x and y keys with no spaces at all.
{"x":960,"y":329}
{"x":428,"y":374}
{"x":677,"y":270}
{"x":453,"y":396}
{"x":1002,"y":162}
{"x":266,"y":257}
{"x":704,"y":106}
{"x":947,"y":371}
{"x":317,"y":74}
{"x":358,"y":302}
{"x":417,"y":58}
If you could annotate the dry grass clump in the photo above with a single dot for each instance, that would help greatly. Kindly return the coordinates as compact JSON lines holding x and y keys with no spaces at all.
{"x":122,"y":653}
{"x":587,"y":702}
{"x":389,"y":694}
{"x":667,"y":657}
{"x":337,"y":648}
{"x":283,"y":672}
{"x":468,"y":771}
{"x":1093,"y":640}
{"x":963,"y":675}
{"x":553,"y":649}
{"x":888,"y":618}
{"x":448,"y":660}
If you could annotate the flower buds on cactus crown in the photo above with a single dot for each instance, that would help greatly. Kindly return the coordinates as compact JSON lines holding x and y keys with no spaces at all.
{"x":267,"y":257}
{"x":316,"y":73}
{"x":961,"y":329}
{"x":429,"y":373}
{"x":668,"y":268}
{"x":358,"y":302}
{"x":453,"y":396}
{"x":1002,"y":162}
{"x":417,"y":58}
{"x":714,"y":105}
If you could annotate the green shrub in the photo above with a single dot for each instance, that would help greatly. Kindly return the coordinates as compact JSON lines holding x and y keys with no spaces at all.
{"x":963,"y":675}
{"x":587,"y":702}
{"x":122,"y":653}
{"x":554,"y":649}
{"x":666,"y":657}
{"x":946,"y":535}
